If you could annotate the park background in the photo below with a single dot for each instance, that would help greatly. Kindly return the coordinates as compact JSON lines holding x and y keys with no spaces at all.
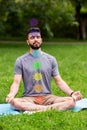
{"x":63,"y":26}
{"x":56,"y":18}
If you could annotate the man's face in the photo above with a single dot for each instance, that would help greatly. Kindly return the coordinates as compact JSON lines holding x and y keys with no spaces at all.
{"x":34,"y":40}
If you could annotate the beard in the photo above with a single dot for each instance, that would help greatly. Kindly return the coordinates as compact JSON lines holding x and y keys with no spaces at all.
{"x":35,"y":47}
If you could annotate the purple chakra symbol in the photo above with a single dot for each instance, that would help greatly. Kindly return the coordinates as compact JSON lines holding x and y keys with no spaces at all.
{"x":33,"y":22}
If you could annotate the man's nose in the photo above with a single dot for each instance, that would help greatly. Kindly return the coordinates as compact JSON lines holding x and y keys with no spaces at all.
{"x":35,"y":38}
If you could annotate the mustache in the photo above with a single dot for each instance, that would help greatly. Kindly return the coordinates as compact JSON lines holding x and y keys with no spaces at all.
{"x":35,"y":47}
{"x":36,"y":42}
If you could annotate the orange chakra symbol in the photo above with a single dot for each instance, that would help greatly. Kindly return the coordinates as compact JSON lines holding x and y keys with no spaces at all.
{"x":38,"y":88}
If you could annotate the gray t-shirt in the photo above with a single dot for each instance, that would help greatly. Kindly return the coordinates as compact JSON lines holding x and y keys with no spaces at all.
{"x":36,"y":73}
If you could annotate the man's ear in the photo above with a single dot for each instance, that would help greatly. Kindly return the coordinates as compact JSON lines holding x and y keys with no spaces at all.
{"x":27,"y":42}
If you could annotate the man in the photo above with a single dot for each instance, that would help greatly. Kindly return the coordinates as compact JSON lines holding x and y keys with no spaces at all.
{"x":36,"y":69}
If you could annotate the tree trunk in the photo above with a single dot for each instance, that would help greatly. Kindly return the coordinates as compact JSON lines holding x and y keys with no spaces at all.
{"x":78,"y":18}
{"x":84,"y":22}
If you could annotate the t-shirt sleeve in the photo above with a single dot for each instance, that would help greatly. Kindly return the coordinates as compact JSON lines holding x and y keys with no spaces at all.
{"x":18,"y":67}
{"x":55,"y":70}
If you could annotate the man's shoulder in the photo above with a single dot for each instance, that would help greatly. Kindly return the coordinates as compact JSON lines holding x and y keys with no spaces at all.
{"x":49,"y":56}
{"x":23,"y":56}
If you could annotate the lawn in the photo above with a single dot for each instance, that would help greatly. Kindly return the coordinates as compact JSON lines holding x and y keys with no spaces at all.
{"x":72,"y":62}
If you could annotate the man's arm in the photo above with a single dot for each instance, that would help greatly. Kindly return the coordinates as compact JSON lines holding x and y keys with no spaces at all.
{"x":63,"y":85}
{"x":66,"y":89}
{"x":14,"y":88}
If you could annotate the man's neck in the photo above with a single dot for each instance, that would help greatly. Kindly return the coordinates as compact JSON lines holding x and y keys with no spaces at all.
{"x":36,"y":53}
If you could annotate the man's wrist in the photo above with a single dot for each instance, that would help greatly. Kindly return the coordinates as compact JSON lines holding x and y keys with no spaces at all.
{"x":71,"y":93}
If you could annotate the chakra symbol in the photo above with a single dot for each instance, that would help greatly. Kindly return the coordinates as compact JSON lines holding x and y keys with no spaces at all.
{"x":38,"y":88}
{"x":37,"y":65}
{"x":36,"y":53}
{"x":37,"y":76}
{"x":33,"y":22}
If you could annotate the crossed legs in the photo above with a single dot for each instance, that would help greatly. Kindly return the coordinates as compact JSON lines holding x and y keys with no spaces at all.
{"x":49,"y":102}
{"x":22,"y":104}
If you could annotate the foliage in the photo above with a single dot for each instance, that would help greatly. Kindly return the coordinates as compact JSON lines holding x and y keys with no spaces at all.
{"x":77,"y":2}
{"x":10,"y":18}
{"x":52,"y":16}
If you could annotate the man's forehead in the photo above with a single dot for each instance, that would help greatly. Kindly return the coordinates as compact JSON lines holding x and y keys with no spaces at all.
{"x":34,"y":34}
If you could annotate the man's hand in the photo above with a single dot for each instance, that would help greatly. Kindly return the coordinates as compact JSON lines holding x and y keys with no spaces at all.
{"x":9,"y":98}
{"x":77,"y":95}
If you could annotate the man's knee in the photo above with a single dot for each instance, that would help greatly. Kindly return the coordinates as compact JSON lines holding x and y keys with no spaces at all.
{"x":64,"y":104}
{"x":14,"y":102}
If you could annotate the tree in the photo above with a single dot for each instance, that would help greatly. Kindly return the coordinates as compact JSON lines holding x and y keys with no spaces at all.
{"x":56,"y":17}
{"x":78,"y":4}
{"x":53,"y":16}
{"x":9,"y":18}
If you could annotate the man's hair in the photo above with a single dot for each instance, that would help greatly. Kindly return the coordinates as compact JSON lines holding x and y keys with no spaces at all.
{"x":33,"y":29}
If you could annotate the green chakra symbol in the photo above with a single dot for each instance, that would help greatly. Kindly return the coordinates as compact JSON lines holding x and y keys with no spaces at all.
{"x":37,"y":65}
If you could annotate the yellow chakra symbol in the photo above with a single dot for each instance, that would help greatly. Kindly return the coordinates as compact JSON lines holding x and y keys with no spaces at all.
{"x":38,"y":88}
{"x":37,"y":76}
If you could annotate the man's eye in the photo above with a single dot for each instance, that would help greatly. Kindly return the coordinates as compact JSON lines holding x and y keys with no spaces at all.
{"x":32,"y":37}
{"x":38,"y":36}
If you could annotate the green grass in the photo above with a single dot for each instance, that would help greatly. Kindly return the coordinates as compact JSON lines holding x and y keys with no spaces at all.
{"x":72,"y":61}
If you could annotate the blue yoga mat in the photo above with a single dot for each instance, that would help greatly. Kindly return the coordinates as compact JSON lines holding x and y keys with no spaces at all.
{"x":6,"y":109}
{"x":81,"y":104}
